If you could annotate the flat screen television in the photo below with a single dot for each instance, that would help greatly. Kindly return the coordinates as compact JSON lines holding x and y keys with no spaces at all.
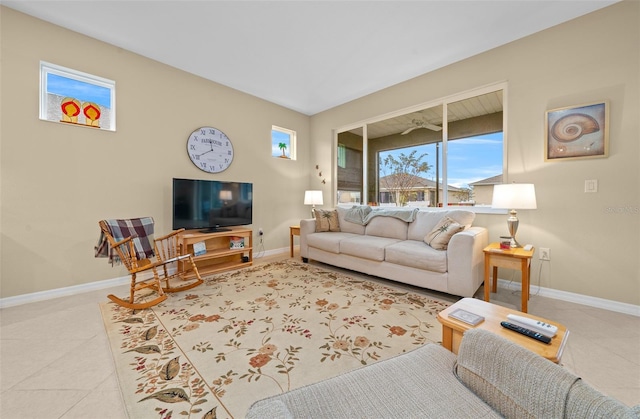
{"x":211,"y":205}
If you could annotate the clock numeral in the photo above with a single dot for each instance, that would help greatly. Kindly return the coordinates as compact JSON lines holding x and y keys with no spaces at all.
{"x":192,"y":147}
{"x":203,"y":131}
{"x":228,"y":152}
{"x":203,"y":165}
{"x":195,"y":157}
{"x":212,"y":131}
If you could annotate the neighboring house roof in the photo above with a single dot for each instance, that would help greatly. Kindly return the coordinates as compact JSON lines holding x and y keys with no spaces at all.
{"x":416,"y":181}
{"x":494,"y":180}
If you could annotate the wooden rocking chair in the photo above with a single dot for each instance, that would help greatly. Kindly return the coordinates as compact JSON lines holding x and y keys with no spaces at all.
{"x":131,"y":239}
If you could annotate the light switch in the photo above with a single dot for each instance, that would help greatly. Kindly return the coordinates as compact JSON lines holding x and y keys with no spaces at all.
{"x":591,"y":185}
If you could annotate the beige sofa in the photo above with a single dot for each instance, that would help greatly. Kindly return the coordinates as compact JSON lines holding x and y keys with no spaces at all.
{"x":392,"y":248}
{"x":490,"y":378}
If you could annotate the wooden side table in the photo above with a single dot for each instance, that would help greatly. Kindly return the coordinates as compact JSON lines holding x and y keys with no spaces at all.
{"x":452,"y":329}
{"x":513,"y":258}
{"x":293,"y":231}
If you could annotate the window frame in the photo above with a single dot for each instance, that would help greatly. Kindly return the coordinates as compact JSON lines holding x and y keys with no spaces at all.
{"x":46,"y":113}
{"x":292,"y":142}
{"x":438,"y":102}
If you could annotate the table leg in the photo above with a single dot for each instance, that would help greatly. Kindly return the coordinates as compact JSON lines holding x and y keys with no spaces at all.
{"x":526,"y":269}
{"x":487,"y":284}
{"x":291,"y":242}
{"x":447,"y":338}
{"x":495,"y":279}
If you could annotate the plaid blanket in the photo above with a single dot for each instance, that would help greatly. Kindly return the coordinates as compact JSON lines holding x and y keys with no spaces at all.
{"x":140,"y":228}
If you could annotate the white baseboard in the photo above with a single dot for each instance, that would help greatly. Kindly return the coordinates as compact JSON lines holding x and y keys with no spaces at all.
{"x":586,"y":300}
{"x":62,"y":292}
{"x":92,"y":286}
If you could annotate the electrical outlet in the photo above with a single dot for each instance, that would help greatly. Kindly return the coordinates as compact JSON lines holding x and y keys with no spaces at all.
{"x":545,"y":253}
{"x":260,"y":231}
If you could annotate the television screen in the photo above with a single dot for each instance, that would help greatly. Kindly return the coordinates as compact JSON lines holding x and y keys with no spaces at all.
{"x":209,"y":205}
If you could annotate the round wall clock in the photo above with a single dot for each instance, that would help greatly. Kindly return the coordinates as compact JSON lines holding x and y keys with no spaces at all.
{"x":210,"y":149}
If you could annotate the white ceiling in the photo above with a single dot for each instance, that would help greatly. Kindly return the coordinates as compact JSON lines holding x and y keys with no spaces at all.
{"x":308,"y":56}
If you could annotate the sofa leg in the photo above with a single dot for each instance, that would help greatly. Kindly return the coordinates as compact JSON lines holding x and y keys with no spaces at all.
{"x":305,"y":260}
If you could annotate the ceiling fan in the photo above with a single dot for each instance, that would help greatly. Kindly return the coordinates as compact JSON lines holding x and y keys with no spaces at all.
{"x":421,"y":124}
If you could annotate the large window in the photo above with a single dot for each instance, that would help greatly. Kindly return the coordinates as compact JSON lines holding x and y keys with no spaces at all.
{"x":444,"y":154}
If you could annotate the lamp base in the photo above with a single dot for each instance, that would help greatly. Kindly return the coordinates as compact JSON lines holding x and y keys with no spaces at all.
{"x":512,"y":224}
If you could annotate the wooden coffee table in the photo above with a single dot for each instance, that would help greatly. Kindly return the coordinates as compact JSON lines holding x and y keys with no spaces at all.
{"x":452,"y":329}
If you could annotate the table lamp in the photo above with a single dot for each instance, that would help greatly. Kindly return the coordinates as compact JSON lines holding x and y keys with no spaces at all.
{"x":313,"y":198}
{"x":513,"y":196}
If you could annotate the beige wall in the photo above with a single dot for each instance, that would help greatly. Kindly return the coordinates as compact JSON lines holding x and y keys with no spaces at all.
{"x":57,"y":181}
{"x":594,"y":238}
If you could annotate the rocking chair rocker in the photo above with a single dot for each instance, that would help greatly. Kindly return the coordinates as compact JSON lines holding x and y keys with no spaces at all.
{"x":132,"y":241}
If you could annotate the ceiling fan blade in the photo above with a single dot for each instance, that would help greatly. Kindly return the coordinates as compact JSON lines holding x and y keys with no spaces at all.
{"x":425,"y":125}
{"x":405,"y":132}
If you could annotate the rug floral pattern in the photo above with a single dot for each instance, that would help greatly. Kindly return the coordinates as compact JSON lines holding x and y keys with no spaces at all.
{"x":245,"y":335}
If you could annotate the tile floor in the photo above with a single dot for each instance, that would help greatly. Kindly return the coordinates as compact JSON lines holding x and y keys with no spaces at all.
{"x":55,"y":360}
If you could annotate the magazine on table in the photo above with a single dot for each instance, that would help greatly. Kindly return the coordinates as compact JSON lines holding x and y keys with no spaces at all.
{"x":466,"y":316}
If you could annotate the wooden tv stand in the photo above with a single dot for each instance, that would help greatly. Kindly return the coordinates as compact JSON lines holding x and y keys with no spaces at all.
{"x":219,"y":256}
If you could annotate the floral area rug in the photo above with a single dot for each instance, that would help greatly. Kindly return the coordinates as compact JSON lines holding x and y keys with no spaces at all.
{"x":263,"y":330}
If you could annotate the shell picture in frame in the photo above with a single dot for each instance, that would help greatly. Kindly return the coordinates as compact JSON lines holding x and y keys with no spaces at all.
{"x":577,"y":132}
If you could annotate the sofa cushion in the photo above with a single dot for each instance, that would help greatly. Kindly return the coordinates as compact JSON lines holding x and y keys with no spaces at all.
{"x":347,"y":226}
{"x":367,"y":247}
{"x":439,"y":237}
{"x":426,"y":221}
{"x":326,"y":220}
{"x":416,"y":254}
{"x":328,"y":241}
{"x":516,"y":382}
{"x":416,"y":384}
{"x":387,"y":227}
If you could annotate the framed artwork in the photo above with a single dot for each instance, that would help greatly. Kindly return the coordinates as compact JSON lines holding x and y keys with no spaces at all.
{"x":72,"y":97}
{"x":283,"y":143}
{"x":577,"y":132}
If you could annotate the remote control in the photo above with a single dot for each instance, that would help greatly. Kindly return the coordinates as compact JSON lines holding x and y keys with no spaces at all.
{"x":535,"y":325}
{"x":527,"y":332}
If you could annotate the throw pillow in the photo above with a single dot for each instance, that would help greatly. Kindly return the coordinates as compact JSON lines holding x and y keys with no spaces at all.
{"x":326,"y":220}
{"x":439,"y":237}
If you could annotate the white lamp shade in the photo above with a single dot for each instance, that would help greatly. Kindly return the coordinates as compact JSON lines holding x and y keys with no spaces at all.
{"x":226,"y":195}
{"x":313,"y":197}
{"x":514,"y":196}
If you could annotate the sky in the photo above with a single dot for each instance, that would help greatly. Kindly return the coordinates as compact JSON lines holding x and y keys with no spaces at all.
{"x":469,"y":159}
{"x":85,"y":92}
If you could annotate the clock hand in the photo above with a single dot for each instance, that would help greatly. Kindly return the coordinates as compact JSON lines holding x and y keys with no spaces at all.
{"x":208,"y":151}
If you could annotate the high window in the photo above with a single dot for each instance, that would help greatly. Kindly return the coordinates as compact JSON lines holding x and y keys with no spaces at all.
{"x":283,"y":143}
{"x":449,"y":153}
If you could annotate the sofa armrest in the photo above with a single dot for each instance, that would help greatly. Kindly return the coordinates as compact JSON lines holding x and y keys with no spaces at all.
{"x":514,"y":381}
{"x":465,"y":261}
{"x":307,"y":227}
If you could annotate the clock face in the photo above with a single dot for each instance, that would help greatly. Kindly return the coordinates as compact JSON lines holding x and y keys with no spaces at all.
{"x":210,"y":149}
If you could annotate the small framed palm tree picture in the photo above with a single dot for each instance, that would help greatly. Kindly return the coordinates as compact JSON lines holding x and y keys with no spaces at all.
{"x":283,"y":143}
